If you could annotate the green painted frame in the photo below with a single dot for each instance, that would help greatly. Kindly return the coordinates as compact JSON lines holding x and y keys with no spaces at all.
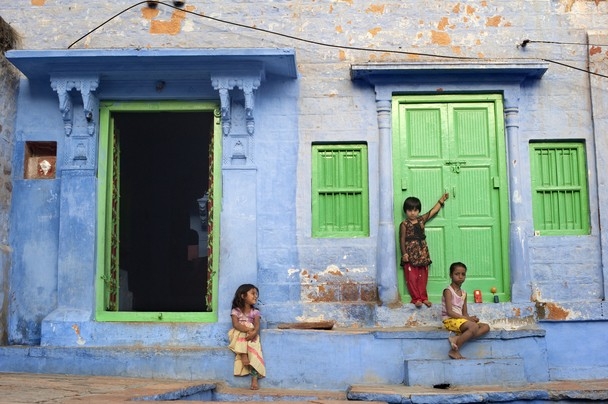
{"x":104,"y":198}
{"x":317,"y":148}
{"x":538,"y":206}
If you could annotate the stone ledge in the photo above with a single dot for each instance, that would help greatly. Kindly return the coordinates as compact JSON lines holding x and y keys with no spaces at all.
{"x":441,"y":333}
{"x":425,"y":332}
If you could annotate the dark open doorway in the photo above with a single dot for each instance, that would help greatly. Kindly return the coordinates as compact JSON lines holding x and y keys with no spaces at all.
{"x":163,"y":191}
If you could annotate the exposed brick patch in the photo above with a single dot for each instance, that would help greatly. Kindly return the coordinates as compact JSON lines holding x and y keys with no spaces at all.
{"x":551,"y":311}
{"x":337,"y":285}
{"x":595,"y":50}
{"x":369,"y":292}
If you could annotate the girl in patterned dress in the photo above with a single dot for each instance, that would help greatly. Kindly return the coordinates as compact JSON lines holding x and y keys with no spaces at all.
{"x":245,"y":335}
{"x":415,"y":257}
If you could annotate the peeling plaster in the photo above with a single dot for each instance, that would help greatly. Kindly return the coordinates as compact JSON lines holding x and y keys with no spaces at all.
{"x":493,"y":21}
{"x":376,"y":9}
{"x":173,"y":26}
{"x":440,"y":38}
{"x":536,"y":295}
{"x":374,"y":31}
{"x":311,"y":319}
{"x":516,"y":197}
{"x":79,"y":340}
{"x":513,"y":323}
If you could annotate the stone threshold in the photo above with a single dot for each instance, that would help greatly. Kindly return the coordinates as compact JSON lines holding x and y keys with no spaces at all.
{"x":576,"y":390}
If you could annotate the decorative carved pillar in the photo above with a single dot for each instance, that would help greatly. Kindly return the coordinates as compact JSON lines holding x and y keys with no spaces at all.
{"x":77,"y":204}
{"x":386,"y":255}
{"x":239,"y":177}
{"x":520,"y":228}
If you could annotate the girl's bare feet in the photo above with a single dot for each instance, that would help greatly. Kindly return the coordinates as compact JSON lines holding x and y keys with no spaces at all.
{"x":254,"y":383}
{"x":455,"y":354}
{"x":418,"y":303}
{"x":427,"y":303}
{"x":452,"y":339}
{"x":245,"y":359}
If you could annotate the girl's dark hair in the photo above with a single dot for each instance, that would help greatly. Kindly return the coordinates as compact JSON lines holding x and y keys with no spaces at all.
{"x":457,"y":265}
{"x":411,"y":203}
{"x":238,"y":302}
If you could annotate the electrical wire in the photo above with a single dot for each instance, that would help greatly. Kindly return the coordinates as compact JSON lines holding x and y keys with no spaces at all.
{"x":523,"y":44}
{"x":527,"y":41}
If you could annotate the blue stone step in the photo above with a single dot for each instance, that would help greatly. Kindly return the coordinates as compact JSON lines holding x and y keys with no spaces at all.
{"x":487,"y":371}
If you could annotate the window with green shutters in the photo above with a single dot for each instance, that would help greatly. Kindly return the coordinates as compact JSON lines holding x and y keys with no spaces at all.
{"x":559,"y":188}
{"x":340,"y":205}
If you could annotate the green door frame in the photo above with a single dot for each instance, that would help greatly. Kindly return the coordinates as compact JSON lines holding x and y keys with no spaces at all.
{"x":498,"y":181}
{"x":105,"y":281}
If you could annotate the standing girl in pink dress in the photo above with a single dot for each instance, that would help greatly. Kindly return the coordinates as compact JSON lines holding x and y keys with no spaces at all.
{"x":245,"y":335}
{"x":415,"y":257}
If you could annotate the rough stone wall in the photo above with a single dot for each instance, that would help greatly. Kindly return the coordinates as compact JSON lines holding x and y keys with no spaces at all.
{"x":8,"y":107}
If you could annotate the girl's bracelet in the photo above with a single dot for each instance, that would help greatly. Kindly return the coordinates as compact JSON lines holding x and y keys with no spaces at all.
{"x":439,"y":202}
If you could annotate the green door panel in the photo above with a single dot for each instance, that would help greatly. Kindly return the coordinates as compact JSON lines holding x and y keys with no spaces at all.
{"x":455,"y":146}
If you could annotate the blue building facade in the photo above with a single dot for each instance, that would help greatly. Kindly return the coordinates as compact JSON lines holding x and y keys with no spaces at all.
{"x":152,"y":175}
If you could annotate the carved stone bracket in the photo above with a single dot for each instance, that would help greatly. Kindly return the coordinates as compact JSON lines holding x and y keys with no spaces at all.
{"x":247,"y":83}
{"x":80,"y":147}
{"x":86,"y":86}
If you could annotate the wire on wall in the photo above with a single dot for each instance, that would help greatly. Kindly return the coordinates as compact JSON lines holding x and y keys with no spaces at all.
{"x":523,"y":44}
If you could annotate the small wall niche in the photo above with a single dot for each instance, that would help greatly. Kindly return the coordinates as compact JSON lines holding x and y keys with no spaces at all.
{"x":40,"y":160}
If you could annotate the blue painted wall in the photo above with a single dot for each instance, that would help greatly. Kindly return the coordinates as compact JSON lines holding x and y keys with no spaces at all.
{"x":265,"y":226}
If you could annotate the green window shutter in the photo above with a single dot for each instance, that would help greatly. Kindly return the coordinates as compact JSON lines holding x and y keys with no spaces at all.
{"x":559,"y":188}
{"x":340,"y":205}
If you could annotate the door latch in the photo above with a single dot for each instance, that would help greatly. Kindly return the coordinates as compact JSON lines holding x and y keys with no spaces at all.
{"x":455,"y":165}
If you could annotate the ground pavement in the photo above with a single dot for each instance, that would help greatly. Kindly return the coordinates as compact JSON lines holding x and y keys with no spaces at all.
{"x":17,"y":388}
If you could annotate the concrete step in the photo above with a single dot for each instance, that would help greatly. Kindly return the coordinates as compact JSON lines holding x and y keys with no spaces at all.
{"x":560,"y":392}
{"x":423,"y":372}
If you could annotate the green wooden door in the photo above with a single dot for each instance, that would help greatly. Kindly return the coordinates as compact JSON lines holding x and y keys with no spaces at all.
{"x":455,"y":144}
